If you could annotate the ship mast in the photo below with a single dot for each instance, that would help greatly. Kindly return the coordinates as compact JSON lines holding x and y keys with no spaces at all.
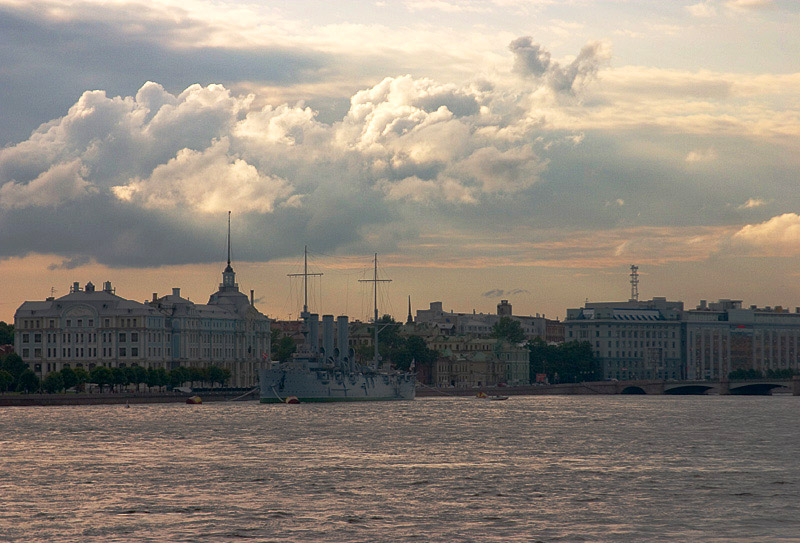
{"x":375,"y":282}
{"x":305,"y":275}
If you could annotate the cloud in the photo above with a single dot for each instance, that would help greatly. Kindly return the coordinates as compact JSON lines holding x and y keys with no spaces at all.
{"x":71,"y":263}
{"x":209,"y":182}
{"x":173,"y":161}
{"x":752,"y":203}
{"x":702,"y":9}
{"x":60,"y":183}
{"x":499,"y":293}
{"x":532,"y":60}
{"x":701,"y":155}
{"x":778,"y":236}
{"x":743,"y":5}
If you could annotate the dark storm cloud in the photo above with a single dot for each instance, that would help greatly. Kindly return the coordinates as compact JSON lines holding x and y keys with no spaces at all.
{"x":48,"y":63}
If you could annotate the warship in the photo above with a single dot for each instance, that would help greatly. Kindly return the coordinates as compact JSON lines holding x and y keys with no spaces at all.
{"x":328,"y":372}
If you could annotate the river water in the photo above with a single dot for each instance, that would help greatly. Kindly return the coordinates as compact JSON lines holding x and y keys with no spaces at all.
{"x":568,"y":468}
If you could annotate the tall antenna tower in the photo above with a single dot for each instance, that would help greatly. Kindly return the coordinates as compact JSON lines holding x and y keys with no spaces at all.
{"x":634,"y":283}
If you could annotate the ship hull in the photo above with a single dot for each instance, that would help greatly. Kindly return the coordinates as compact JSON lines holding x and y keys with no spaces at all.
{"x":334,"y":386}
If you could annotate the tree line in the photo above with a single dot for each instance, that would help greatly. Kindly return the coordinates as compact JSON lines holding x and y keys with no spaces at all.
{"x":16,"y":376}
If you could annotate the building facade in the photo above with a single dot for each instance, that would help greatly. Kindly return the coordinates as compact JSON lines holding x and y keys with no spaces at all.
{"x":480,"y":324}
{"x":466,"y":362}
{"x":657,"y":339}
{"x":90,"y":327}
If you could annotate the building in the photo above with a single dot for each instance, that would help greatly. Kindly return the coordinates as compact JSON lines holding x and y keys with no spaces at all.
{"x":632,"y":340}
{"x":89,"y":327}
{"x":466,"y":362}
{"x":722,"y":337}
{"x":480,"y":324}
{"x":658,"y":339}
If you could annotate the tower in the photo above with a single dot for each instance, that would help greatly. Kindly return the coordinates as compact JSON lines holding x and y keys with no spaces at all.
{"x":410,"y":319}
{"x":634,"y":283}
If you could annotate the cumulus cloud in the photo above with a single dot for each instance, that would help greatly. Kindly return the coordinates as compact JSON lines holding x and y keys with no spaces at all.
{"x":532,"y":60}
{"x":778,"y":236}
{"x":179,"y":159}
{"x":60,"y":183}
{"x":210,"y":181}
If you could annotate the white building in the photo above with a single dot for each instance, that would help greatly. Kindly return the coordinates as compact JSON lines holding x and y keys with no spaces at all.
{"x":88,"y":328}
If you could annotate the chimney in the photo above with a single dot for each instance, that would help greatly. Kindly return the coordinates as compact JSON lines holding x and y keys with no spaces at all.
{"x":155,"y":296}
{"x":252,"y":294}
{"x":176,"y":291}
{"x":76,"y":287}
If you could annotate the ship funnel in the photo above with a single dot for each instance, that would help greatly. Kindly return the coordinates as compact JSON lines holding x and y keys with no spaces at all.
{"x":313,"y":332}
{"x":327,"y":335}
{"x":341,"y":337}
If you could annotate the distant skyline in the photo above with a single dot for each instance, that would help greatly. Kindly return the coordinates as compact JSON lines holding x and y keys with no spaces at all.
{"x":522,"y":149}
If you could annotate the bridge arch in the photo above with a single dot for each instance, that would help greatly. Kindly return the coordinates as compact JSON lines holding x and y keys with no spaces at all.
{"x":754,"y":389}
{"x":633,"y":390}
{"x":688,"y":390}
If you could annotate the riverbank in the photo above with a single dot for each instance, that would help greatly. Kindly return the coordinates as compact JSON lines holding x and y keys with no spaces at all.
{"x":85,"y":398}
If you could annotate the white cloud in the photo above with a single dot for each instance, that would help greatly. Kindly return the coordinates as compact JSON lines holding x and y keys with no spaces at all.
{"x":742,"y":5}
{"x":752,"y":203}
{"x":701,"y":155}
{"x":210,"y":181}
{"x":61,"y":183}
{"x":702,"y":9}
{"x":779,"y":236}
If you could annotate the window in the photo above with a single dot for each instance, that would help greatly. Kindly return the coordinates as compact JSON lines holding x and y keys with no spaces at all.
{"x":37,"y":338}
{"x":123,"y":351}
{"x":52,"y":324}
{"x":69,"y":322}
{"x":134,"y":351}
{"x":25,"y":353}
{"x":134,"y":336}
{"x":80,"y":322}
{"x":26,"y":338}
{"x":91,"y":322}
{"x":122,"y":337}
{"x":106,"y":323}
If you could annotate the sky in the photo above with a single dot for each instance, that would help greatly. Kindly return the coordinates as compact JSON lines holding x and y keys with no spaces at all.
{"x":529,"y":150}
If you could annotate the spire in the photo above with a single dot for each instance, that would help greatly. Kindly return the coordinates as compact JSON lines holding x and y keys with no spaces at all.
{"x":229,"y":269}
{"x":229,"y":276}
{"x":410,"y":319}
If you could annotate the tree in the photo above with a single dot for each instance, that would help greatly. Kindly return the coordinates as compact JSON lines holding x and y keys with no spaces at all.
{"x":101,"y":376}
{"x":138,"y":376}
{"x":28,"y":382}
{"x":119,"y":377}
{"x":14,"y":365}
{"x":54,"y":382}
{"x":6,"y":333}
{"x":6,"y":380}
{"x":216,"y":375}
{"x":283,"y":348}
{"x":82,"y":376}
{"x":69,"y":377}
{"x":508,"y":329}
{"x":572,"y":362}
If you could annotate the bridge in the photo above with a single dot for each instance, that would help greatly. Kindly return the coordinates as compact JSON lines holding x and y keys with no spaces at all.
{"x":755,"y":387}
{"x":751,"y":387}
